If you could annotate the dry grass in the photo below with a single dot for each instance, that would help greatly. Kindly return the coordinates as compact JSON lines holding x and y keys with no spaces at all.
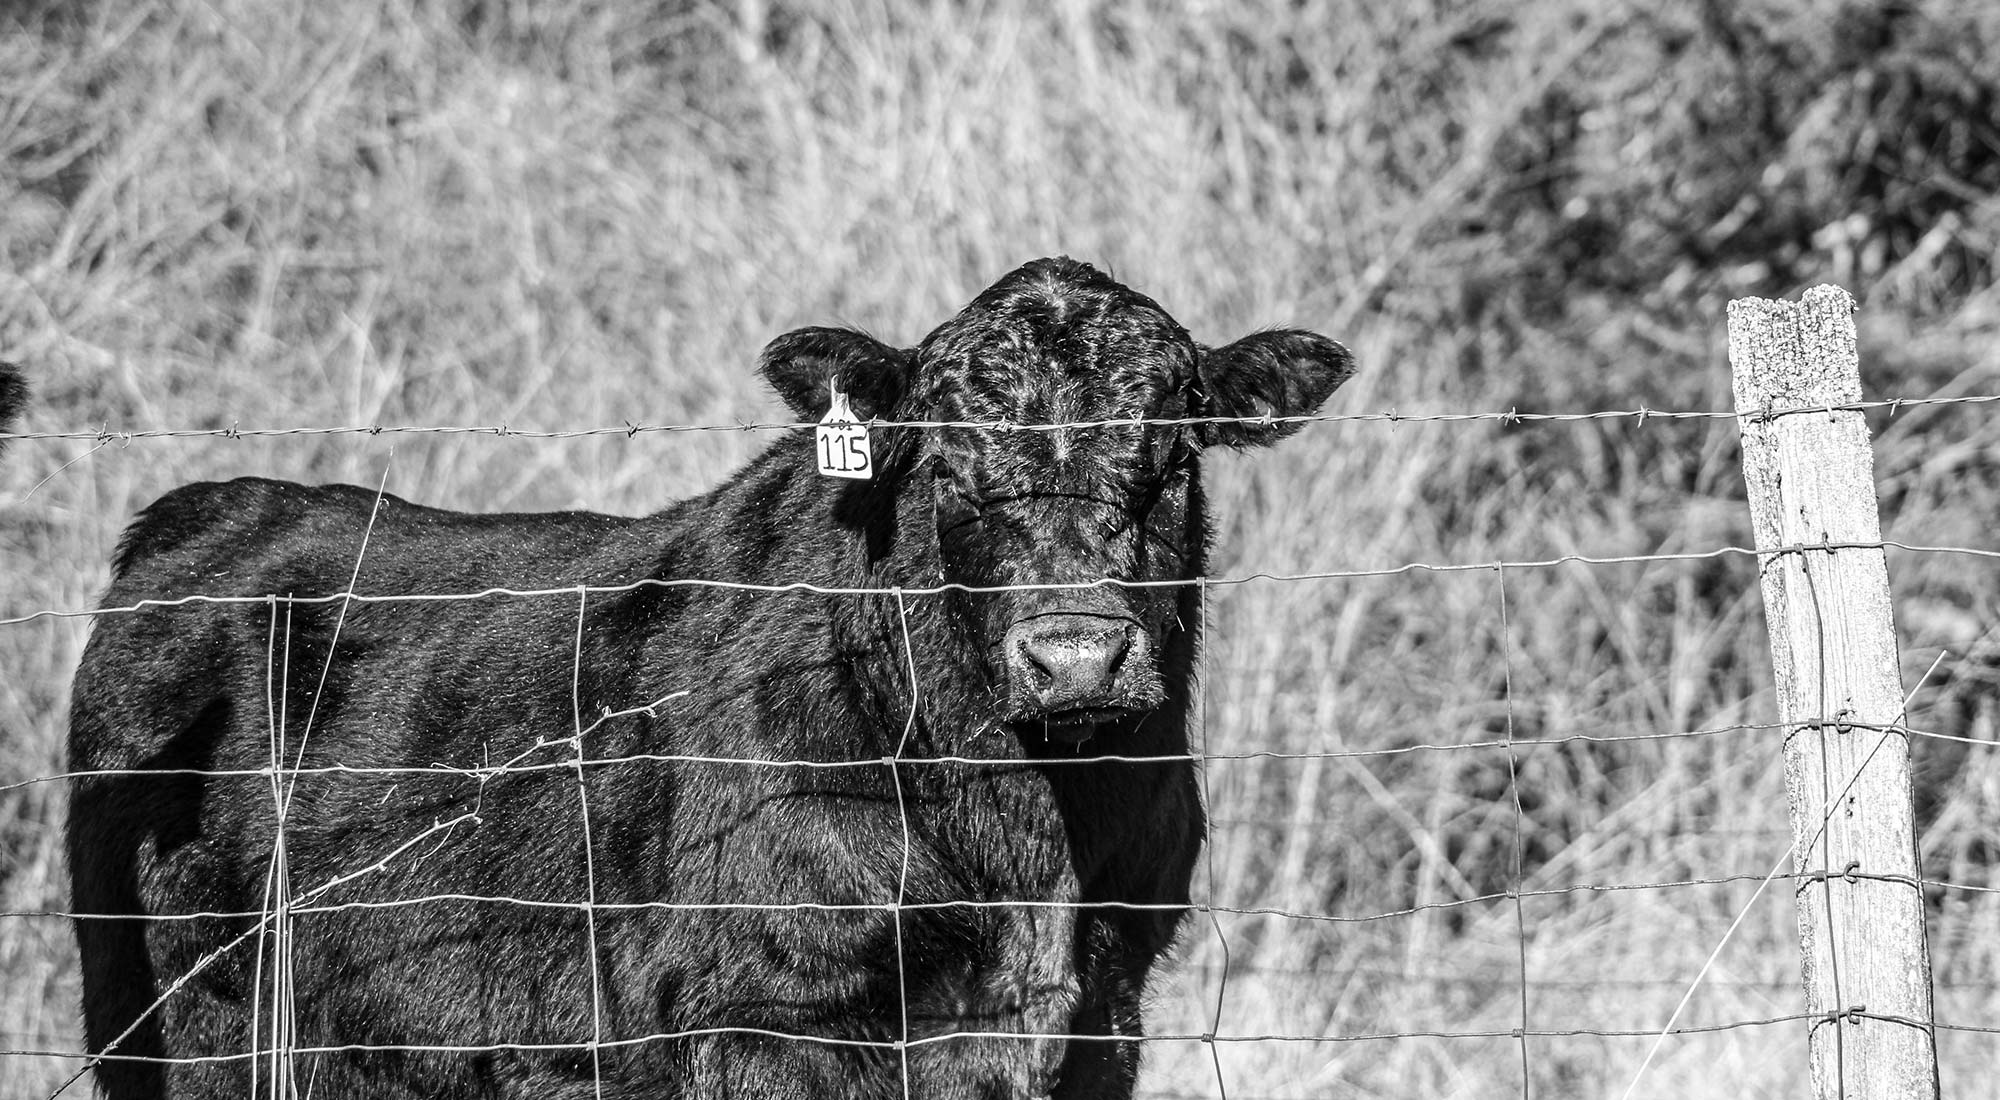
{"x":581,"y":214}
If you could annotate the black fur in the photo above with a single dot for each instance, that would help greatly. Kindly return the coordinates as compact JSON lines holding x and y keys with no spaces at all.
{"x":1017,"y":862}
{"x":13,"y":398}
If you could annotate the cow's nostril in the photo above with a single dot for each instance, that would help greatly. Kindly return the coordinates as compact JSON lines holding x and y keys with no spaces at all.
{"x":1039,"y":661}
{"x":1122,"y":647}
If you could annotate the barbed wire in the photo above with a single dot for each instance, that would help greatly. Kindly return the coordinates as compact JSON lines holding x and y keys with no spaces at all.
{"x":630,"y":429}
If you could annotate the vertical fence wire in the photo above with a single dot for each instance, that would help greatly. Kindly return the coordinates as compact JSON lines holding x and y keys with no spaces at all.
{"x":1514,"y":788}
{"x":903,"y":815}
{"x":589,"y":856}
{"x":277,"y":871}
{"x":1204,"y":755}
{"x":1822,"y":722}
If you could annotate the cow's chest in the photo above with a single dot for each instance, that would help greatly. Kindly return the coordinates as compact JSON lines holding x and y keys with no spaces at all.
{"x":955,"y":884}
{"x":986,"y":930}
{"x":993,"y":906}
{"x":936,"y":905}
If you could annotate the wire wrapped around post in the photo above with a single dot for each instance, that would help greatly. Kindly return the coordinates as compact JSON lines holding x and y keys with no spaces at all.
{"x":1809,"y":477}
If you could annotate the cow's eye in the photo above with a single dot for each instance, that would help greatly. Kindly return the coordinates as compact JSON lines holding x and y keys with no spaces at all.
{"x":953,"y":507}
{"x":955,"y":511}
{"x":1159,"y":456}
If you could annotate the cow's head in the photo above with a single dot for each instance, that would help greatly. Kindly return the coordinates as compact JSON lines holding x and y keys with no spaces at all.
{"x":1058,"y":342}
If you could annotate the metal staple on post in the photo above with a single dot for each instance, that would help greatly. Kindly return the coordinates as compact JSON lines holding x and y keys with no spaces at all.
{"x":1810,"y":482}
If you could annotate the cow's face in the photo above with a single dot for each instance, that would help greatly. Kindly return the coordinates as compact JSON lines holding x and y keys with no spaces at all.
{"x":1057,"y":342}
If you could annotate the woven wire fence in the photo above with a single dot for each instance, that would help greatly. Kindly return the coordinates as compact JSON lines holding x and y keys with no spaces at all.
{"x":1217,"y":961}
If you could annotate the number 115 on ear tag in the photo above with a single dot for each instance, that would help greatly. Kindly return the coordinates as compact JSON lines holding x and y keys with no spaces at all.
{"x":843,"y":441}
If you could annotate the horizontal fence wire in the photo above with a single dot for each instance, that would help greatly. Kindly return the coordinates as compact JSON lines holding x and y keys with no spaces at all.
{"x":485,"y":773}
{"x":806,"y":588}
{"x":1855,"y":1013}
{"x":630,"y":429}
{"x":306,"y":901}
{"x":1201,"y":908}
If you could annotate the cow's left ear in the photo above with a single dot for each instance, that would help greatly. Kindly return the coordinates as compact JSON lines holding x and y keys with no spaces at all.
{"x":871,"y":373}
{"x":1280,"y":373}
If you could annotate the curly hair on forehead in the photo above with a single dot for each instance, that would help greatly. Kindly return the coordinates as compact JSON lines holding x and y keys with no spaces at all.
{"x":1056,"y":340}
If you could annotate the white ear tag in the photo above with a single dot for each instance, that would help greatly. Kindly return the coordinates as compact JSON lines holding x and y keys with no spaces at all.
{"x":843,"y":442}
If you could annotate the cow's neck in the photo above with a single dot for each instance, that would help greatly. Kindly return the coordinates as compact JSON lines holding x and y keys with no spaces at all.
{"x":788,"y":524}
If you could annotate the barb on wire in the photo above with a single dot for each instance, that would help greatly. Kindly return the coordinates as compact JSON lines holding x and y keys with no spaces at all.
{"x":630,"y":429}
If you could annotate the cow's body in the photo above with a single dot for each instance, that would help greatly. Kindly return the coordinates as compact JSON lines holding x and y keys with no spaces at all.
{"x":795,"y":862}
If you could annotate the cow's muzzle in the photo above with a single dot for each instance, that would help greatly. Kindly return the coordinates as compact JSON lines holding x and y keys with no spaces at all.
{"x":1067,"y":673}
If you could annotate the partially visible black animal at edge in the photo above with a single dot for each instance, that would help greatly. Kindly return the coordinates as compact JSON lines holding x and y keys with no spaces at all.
{"x":13,"y":398}
{"x":1038,"y":887}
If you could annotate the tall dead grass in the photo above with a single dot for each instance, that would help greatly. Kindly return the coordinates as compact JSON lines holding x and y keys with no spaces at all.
{"x":554,"y":215}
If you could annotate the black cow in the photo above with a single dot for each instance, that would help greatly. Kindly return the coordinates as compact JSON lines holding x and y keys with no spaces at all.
{"x":811,"y":826}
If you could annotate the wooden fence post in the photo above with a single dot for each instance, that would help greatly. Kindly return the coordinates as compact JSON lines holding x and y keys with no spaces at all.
{"x":1810,"y":480}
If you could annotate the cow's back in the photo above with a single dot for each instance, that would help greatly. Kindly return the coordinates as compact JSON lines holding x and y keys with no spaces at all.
{"x":224,"y":648}
{"x":259,"y":537}
{"x":220,"y":587}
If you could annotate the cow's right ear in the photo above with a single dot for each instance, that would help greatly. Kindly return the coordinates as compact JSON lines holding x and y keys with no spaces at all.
{"x":1281,"y":373}
{"x":871,"y":373}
